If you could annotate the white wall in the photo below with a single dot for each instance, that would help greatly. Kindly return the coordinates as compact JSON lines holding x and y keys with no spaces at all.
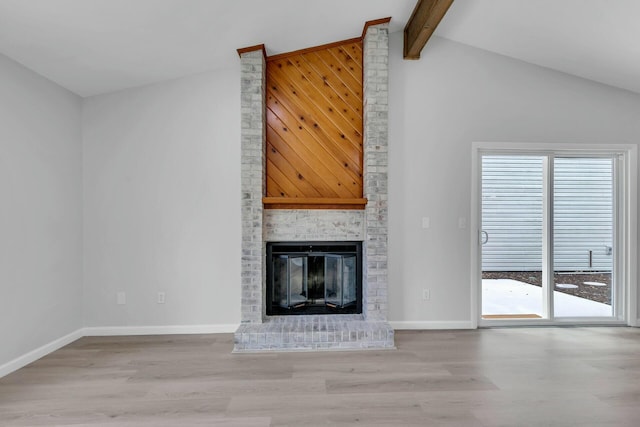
{"x":162,"y":173}
{"x":439,"y":105}
{"x":40,"y":215}
{"x":162,"y":203}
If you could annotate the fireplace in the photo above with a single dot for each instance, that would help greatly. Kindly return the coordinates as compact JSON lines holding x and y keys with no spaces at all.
{"x":314,"y":278}
{"x":283,"y":305}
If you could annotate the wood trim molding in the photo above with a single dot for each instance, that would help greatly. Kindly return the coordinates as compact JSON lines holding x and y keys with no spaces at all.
{"x":253,"y":48}
{"x":374,"y":22}
{"x":423,"y":22}
{"x":313,"y":203}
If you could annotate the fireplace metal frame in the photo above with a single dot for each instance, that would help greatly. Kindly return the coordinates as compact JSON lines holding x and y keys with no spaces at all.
{"x":314,"y":248}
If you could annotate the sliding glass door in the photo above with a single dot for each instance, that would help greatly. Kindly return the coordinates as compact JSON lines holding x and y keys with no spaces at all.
{"x":512,"y":234}
{"x":547,"y":236}
{"x":583,"y":213}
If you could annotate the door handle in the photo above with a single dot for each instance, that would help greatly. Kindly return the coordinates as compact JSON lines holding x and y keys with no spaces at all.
{"x":484,"y":237}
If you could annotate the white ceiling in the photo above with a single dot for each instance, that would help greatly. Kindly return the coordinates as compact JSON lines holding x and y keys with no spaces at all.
{"x":595,"y":39}
{"x":100,"y":46}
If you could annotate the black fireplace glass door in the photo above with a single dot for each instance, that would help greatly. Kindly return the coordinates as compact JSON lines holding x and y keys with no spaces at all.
{"x":290,"y":281}
{"x":308,"y":278}
{"x":339,"y":280}
{"x":333,"y":280}
{"x":280,"y":268}
{"x":297,"y":281}
{"x":349,"y":295}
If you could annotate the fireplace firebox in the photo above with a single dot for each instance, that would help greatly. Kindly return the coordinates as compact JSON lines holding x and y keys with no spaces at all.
{"x":314,"y":278}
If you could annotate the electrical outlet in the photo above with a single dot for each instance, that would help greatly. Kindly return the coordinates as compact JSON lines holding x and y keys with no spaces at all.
{"x":121,"y":298}
{"x":426,"y":295}
{"x":462,"y":222}
{"x":161,"y":296}
{"x":426,"y":222}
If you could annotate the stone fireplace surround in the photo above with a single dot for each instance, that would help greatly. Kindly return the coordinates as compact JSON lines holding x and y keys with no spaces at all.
{"x":369,"y":330}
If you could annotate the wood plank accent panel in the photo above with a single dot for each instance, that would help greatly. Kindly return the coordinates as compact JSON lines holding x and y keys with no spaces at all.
{"x":423,"y":22}
{"x":314,"y":128}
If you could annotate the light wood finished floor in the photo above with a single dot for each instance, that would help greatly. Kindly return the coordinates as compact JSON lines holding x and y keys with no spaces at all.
{"x":492,"y":377}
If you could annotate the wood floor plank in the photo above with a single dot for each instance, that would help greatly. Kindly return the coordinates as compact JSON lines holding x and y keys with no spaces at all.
{"x":349,"y":409}
{"x":393,"y":383}
{"x":339,"y":370}
{"x":489,"y":377}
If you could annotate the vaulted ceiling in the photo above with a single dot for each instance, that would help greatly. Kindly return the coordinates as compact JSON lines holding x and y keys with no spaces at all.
{"x":99,"y":46}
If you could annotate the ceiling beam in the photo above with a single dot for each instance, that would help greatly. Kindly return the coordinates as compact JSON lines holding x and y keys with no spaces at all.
{"x":423,"y":22}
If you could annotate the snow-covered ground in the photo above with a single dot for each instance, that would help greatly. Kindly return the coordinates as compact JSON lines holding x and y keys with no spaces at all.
{"x":508,"y":296}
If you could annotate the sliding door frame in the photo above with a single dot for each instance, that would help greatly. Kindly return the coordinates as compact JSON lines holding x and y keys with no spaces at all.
{"x":624,"y":237}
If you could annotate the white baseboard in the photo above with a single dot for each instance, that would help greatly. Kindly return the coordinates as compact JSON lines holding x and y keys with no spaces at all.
{"x":159,"y":330}
{"x":432,"y":325}
{"x":36,"y":354}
